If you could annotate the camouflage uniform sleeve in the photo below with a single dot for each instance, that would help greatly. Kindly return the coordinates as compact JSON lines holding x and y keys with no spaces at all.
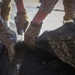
{"x":64,"y":49}
{"x":5,"y":9}
{"x":47,"y":5}
{"x":69,"y":8}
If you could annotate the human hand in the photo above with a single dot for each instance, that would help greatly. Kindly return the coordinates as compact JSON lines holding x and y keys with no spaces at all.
{"x":21,"y":21}
{"x":31,"y":35}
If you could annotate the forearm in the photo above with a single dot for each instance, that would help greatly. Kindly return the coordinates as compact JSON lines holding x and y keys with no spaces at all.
{"x":45,"y":8}
{"x":20,"y":5}
{"x":47,"y":5}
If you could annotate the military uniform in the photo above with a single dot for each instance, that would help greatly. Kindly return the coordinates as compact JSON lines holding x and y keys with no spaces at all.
{"x":63,"y":43}
{"x":60,"y":42}
{"x":69,"y":7}
{"x":5,"y":9}
{"x":46,"y":6}
{"x":7,"y":36}
{"x":62,"y":39}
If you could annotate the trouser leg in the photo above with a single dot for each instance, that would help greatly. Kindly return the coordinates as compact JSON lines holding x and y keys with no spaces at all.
{"x":5,"y":9}
{"x":69,"y":8}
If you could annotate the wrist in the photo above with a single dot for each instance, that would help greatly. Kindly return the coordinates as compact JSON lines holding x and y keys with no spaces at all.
{"x":21,"y":12}
{"x":20,"y":5}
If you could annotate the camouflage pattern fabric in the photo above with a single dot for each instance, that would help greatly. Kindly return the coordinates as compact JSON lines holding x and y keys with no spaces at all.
{"x":63,"y":43}
{"x":47,"y":5}
{"x":5,"y":9}
{"x":59,"y":42}
{"x":69,"y":8}
{"x":64,"y":49}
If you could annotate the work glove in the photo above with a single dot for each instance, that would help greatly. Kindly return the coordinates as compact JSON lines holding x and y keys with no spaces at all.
{"x":31,"y":34}
{"x":21,"y":21}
